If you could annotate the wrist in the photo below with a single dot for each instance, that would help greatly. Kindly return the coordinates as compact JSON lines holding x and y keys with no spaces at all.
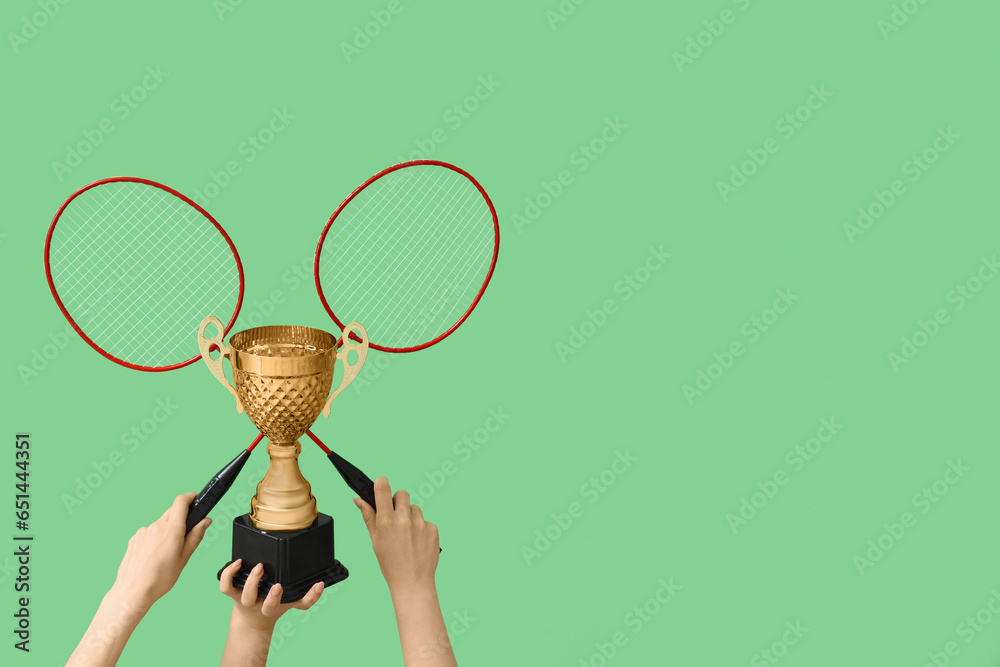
{"x":126,"y":608}
{"x":412,"y":590}
{"x":129,"y":601}
{"x":244,"y":623}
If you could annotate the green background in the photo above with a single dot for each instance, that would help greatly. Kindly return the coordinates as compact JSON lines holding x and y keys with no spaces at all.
{"x":665,"y":517}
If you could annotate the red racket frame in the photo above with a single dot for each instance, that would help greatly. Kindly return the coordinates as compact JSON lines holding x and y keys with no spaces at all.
{"x":475,"y":302}
{"x":55,"y":293}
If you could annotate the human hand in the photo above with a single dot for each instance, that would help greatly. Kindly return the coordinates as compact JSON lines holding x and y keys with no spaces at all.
{"x":252,"y":622}
{"x":251,"y":613}
{"x":407,"y":550}
{"x":406,"y":545}
{"x":155,"y":556}
{"x":157,"y":553}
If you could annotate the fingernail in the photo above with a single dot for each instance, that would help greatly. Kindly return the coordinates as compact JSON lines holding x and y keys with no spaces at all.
{"x":258,"y":568}
{"x":238,"y":562}
{"x":208,"y":524}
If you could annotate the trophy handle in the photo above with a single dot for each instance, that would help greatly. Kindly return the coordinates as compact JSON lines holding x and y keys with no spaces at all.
{"x":215,"y":365}
{"x":350,"y":370}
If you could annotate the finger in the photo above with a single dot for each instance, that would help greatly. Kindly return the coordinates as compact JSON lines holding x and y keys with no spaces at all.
{"x":249,"y":596}
{"x":311,"y":597}
{"x":177,"y":514}
{"x":272,"y":603}
{"x":194,"y":538}
{"x":226,"y":579}
{"x":401,"y":501}
{"x":368,"y":514}
{"x":383,"y":496}
{"x":433,"y":532}
{"x":417,"y":514}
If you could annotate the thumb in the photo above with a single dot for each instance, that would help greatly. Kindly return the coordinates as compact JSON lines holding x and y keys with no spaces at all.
{"x":368,"y":514}
{"x":194,"y":538}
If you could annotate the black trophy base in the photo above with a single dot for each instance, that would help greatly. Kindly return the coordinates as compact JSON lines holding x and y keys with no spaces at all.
{"x":296,"y":560}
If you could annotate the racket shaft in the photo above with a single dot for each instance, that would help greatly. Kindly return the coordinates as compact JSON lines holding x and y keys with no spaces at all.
{"x":209,"y":497}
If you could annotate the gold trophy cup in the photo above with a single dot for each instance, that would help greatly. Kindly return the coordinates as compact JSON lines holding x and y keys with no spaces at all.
{"x":281,"y":378}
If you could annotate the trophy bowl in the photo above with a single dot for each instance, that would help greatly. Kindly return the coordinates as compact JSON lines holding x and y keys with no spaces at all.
{"x":282,"y":376}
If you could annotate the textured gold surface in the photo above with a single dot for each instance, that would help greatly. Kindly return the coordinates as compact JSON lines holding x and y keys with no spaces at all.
{"x":282,"y":375}
{"x":283,"y":408}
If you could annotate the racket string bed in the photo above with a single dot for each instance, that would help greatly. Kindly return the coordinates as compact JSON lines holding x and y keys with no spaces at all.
{"x":409,"y":254}
{"x":136,"y":266}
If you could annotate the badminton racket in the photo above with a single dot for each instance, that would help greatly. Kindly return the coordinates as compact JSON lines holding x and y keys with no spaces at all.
{"x":409,"y":253}
{"x":134,"y":266}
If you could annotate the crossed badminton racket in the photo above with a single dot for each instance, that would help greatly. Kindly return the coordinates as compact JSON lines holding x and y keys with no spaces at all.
{"x":134,"y":266}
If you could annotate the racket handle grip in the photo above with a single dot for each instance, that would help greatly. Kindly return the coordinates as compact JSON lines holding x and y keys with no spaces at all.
{"x":209,"y":497}
{"x":359,"y":482}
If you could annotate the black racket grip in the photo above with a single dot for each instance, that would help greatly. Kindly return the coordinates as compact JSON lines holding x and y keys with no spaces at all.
{"x":359,"y":482}
{"x":209,"y":497}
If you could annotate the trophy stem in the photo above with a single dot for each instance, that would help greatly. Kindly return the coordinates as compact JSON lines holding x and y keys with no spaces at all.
{"x":284,"y":501}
